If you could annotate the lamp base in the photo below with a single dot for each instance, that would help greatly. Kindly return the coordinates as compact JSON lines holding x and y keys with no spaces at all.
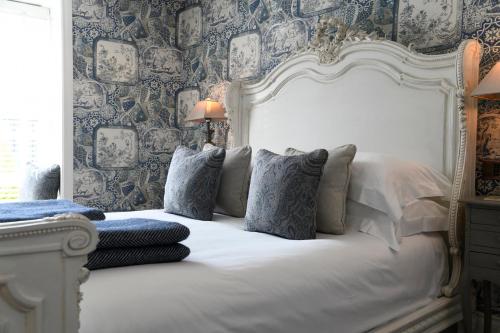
{"x":209,"y":132}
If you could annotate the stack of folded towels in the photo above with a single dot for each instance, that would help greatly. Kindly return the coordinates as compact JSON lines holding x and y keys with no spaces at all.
{"x":136,"y":242}
{"x":38,"y":209}
{"x":121,"y":242}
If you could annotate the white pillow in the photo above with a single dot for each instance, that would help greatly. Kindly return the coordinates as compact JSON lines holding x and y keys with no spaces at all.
{"x":373,"y":222}
{"x":422,"y":215}
{"x":390,"y":184}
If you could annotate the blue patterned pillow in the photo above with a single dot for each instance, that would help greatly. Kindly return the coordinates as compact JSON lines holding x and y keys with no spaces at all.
{"x":283,"y":194}
{"x":192,"y":182}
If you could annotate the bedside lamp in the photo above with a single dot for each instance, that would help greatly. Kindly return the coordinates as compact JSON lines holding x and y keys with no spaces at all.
{"x":489,"y":87}
{"x":207,"y":111}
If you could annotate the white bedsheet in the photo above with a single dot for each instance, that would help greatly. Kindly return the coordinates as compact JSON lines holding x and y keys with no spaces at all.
{"x":238,"y":281}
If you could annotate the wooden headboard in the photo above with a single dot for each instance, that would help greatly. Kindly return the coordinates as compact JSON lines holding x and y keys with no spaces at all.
{"x":378,"y":95}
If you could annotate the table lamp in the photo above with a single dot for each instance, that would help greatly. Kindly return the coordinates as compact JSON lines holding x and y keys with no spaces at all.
{"x":489,"y":88}
{"x":207,"y":111}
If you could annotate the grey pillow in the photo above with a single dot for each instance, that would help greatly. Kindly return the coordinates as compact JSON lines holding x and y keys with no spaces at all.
{"x":41,"y":183}
{"x":283,"y":194}
{"x":333,"y":187}
{"x":192,"y":182}
{"x":233,"y":190}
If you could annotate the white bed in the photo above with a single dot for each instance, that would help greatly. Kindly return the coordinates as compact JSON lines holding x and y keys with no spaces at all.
{"x":378,"y":95}
{"x":238,"y":281}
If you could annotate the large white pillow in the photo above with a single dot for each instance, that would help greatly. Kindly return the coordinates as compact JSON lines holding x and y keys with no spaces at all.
{"x":419,"y":216}
{"x":389,"y":184}
{"x":373,"y":222}
{"x":424,"y":215}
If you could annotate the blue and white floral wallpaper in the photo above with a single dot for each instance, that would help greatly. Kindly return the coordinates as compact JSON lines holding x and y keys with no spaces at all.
{"x":127,"y":71}
{"x":141,"y":65}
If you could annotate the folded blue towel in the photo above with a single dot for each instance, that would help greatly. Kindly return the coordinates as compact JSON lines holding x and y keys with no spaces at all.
{"x":106,"y":258}
{"x":31,"y":210}
{"x":137,"y":232}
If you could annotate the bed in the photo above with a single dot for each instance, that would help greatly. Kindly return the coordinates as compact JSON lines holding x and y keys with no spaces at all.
{"x":237,"y":281}
{"x":377,"y":94}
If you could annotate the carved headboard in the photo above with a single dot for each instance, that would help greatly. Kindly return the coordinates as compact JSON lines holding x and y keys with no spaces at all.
{"x":382,"y":97}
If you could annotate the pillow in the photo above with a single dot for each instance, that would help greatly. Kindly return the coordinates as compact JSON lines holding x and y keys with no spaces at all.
{"x":390,"y":184}
{"x":233,"y":190}
{"x":192,"y":182}
{"x":332,"y":193}
{"x":40,"y":183}
{"x":373,"y":222}
{"x":422,"y":215}
{"x":283,"y":194}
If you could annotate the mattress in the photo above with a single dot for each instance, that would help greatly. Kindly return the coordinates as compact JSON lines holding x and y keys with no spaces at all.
{"x":239,"y":281}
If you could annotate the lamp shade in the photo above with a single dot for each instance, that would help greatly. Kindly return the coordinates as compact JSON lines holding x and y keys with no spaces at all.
{"x":489,"y":87}
{"x":207,"y":109}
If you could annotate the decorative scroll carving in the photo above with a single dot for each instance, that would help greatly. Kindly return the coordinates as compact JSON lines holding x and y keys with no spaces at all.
{"x":76,"y":241}
{"x":331,"y":34}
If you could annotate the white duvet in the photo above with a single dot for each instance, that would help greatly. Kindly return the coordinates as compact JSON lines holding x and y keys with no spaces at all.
{"x":238,"y":281}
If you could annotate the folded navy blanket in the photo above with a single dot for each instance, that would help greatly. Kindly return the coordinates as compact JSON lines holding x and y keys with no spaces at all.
{"x":31,"y":210}
{"x":105,"y":258}
{"x":137,"y":232}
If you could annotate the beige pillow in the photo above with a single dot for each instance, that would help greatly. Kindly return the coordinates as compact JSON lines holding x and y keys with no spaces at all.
{"x":333,"y":186}
{"x":233,"y":190}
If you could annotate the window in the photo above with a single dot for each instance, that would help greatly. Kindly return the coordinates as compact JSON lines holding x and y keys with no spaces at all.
{"x":30,"y":81}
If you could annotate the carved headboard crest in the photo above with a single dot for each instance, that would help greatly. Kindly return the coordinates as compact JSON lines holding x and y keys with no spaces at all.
{"x":327,"y":45}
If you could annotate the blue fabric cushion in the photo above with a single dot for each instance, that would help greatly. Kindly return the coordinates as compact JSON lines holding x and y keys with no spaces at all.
{"x":136,"y":232}
{"x":116,"y":257}
{"x":192,"y":182}
{"x":283,"y":194}
{"x":41,"y":183}
{"x":31,"y":210}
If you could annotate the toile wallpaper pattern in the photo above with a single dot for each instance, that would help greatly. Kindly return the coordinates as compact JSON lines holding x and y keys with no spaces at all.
{"x":141,"y":65}
{"x":127,"y":73}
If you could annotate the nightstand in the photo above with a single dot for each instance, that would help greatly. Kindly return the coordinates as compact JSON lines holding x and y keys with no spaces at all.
{"x":481,"y":255}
